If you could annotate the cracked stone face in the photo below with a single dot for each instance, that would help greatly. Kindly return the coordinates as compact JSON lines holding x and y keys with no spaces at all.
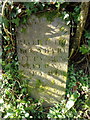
{"x":42,"y":48}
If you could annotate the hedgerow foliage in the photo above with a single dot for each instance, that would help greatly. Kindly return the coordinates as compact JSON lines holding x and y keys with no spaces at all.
{"x":15,"y":101}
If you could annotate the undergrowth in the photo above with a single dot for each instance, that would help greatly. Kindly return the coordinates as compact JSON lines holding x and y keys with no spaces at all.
{"x":77,"y":102}
{"x":15,"y":102}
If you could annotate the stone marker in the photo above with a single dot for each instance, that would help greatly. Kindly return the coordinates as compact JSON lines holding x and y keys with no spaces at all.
{"x":42,"y":48}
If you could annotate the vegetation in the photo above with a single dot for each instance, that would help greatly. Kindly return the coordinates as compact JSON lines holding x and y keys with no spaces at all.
{"x":77,"y":104}
{"x":15,"y":101}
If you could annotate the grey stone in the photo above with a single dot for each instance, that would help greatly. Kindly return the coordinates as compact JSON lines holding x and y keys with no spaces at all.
{"x":43,"y":56}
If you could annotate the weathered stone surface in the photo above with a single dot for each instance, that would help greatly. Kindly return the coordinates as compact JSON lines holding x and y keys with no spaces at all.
{"x":43,"y":56}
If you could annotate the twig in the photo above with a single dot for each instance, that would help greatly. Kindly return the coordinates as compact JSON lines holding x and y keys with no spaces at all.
{"x":3,"y":8}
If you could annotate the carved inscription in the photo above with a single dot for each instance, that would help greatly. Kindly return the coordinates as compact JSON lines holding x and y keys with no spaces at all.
{"x":43,"y":57}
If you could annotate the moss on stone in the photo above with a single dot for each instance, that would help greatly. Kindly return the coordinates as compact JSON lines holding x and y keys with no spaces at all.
{"x":26,"y":65}
{"x":53,"y":82}
{"x":62,"y":28}
{"x":38,"y":83}
{"x":62,"y":41}
{"x":49,"y":15}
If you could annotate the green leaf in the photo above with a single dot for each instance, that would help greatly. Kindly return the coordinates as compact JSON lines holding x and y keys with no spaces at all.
{"x":89,"y":43}
{"x":7,"y":115}
{"x":66,"y":16}
{"x":16,"y":21}
{"x":28,"y":12}
{"x":84,"y":49}
{"x":6,"y":38}
{"x":5,"y":21}
{"x":71,"y":101}
{"x":7,"y":92}
{"x":24,"y":20}
{"x":74,"y":96}
{"x":29,"y":5}
{"x":87,"y":34}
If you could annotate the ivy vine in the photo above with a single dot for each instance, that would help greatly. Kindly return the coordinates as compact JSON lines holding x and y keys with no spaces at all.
{"x":16,"y":102}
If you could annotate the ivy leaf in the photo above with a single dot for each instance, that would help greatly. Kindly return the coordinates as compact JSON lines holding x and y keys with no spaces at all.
{"x":7,"y":115}
{"x":87,"y":34}
{"x":88,"y":101}
{"x":89,"y":43}
{"x":57,"y":5}
{"x":16,"y":21}
{"x":6,"y":38}
{"x":5,"y":21}
{"x":28,"y":12}
{"x":66,"y":16}
{"x":71,"y":101}
{"x":29,"y":5}
{"x":84,"y":49}
{"x":35,"y":10}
